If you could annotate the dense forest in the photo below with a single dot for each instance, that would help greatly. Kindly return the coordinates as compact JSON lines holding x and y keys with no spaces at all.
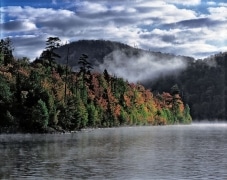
{"x":202,"y":82}
{"x":44,"y":96}
{"x":203,"y":86}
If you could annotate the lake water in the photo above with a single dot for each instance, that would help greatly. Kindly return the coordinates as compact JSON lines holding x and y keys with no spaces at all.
{"x":197,"y":151}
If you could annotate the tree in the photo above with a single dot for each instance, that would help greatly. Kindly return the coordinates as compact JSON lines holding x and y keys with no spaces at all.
{"x":6,"y":54}
{"x":175,"y":101}
{"x":187,"y":116}
{"x":34,"y":79}
{"x":5,"y":103}
{"x":85,"y":73}
{"x":5,"y":94}
{"x":81,"y":114}
{"x":52,"y":44}
{"x":175,"y":90}
{"x":106,"y":76}
{"x":92,"y":115}
{"x":40,"y":115}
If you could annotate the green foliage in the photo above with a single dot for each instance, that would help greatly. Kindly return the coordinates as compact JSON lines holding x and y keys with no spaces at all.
{"x":34,"y":80}
{"x":123,"y":117}
{"x":40,"y":116}
{"x":92,"y":115}
{"x":187,"y":117}
{"x":202,"y":85}
{"x":5,"y":93}
{"x":81,"y":114}
{"x":39,"y":96}
{"x":49,"y":54}
{"x":6,"y":51}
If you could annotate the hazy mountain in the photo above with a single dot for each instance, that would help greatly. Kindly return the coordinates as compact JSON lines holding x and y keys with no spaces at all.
{"x":133,"y":64}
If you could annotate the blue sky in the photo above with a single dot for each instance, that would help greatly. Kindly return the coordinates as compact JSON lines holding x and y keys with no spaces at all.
{"x":194,"y":28}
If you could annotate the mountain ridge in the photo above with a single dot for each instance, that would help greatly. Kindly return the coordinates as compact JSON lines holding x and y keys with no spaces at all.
{"x":99,"y":49}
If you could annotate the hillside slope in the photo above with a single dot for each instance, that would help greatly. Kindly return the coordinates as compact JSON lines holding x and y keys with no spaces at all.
{"x":43,"y":96}
{"x":203,"y":85}
{"x":106,"y":53}
{"x":202,"y":82}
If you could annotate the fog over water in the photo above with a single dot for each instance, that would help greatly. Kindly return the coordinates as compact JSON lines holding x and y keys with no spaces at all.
{"x":189,"y":152}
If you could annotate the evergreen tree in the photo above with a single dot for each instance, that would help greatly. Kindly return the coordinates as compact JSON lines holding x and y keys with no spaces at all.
{"x":85,"y":74}
{"x":6,"y":118}
{"x":175,"y":103}
{"x":92,"y":115}
{"x":6,"y":51}
{"x":40,"y":116}
{"x":52,"y":44}
{"x":81,"y":114}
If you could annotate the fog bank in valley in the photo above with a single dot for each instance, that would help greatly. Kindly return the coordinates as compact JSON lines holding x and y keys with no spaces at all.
{"x":140,"y":67}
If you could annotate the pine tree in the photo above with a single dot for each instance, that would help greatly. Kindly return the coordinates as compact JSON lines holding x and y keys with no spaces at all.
{"x":52,"y":44}
{"x":40,"y":116}
{"x":6,"y":51}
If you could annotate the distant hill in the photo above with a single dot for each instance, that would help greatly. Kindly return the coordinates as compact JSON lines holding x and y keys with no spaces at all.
{"x":132,"y":64}
{"x":97,"y":50}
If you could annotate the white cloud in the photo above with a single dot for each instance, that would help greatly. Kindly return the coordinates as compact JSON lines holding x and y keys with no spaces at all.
{"x":186,"y":3}
{"x":91,"y":7}
{"x":156,"y":25}
{"x":218,"y":13}
{"x":211,"y":3}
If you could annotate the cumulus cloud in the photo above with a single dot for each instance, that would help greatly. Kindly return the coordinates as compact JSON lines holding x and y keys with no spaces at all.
{"x":170,"y":26}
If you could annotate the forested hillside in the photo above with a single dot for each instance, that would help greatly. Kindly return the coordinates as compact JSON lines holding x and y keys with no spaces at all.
{"x":100,"y":51}
{"x":202,"y":85}
{"x":44,"y":96}
{"x":202,"y":82}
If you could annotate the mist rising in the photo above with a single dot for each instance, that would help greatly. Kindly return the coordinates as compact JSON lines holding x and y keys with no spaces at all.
{"x":141,"y":67}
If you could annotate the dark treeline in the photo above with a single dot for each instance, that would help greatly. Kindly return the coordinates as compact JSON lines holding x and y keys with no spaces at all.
{"x":203,"y":86}
{"x":44,"y":96}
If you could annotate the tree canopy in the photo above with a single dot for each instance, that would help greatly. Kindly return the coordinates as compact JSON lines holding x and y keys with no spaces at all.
{"x":33,"y":99}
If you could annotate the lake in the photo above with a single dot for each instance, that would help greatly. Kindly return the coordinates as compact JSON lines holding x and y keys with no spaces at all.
{"x":197,"y":151}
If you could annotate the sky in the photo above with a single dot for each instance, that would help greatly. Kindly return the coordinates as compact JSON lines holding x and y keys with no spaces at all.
{"x":195,"y":28}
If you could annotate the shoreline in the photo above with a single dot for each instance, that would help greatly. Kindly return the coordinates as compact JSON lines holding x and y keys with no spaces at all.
{"x":58,"y":130}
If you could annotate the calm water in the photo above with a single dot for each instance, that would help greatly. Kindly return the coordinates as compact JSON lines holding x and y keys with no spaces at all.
{"x":166,"y":152}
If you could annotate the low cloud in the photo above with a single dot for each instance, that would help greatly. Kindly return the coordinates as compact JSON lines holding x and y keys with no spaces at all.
{"x":141,"y":67}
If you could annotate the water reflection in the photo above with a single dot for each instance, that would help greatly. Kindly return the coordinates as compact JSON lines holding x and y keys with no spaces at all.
{"x":168,"y":152}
